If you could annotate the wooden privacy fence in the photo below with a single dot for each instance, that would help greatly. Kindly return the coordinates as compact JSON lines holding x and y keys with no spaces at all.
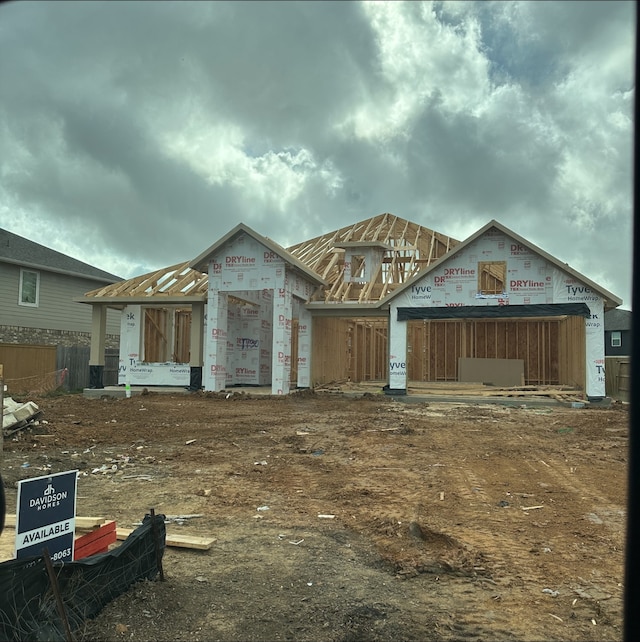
{"x":76,"y":361}
{"x":29,"y":368}
{"x":617,"y":372}
{"x":32,"y":368}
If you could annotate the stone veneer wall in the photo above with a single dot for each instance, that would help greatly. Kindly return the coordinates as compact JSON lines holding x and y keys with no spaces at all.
{"x":42,"y":336}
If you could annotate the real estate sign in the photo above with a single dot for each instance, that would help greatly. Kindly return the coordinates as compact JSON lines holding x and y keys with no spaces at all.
{"x":46,"y":516}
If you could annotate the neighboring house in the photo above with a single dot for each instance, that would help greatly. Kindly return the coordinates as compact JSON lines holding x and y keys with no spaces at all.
{"x":617,"y":333}
{"x":384,"y":299}
{"x":39,"y":318}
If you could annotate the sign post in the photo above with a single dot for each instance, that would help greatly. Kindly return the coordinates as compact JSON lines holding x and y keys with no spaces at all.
{"x":46,"y":516}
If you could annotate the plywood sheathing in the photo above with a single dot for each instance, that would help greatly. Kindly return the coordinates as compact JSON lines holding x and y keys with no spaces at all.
{"x":412,"y":248}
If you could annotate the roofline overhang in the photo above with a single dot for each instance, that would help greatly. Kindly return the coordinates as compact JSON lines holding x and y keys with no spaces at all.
{"x":155,"y":300}
{"x":322,"y":309}
{"x":48,"y":268}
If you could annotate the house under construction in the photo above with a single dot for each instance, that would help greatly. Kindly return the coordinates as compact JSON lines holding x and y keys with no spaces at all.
{"x":383,"y":300}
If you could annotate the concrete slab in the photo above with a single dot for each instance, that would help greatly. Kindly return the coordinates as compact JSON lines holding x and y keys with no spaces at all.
{"x":413,"y":397}
{"x":119,"y":392}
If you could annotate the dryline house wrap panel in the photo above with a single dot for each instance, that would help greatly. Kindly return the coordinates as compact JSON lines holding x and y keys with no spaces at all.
{"x":526,"y":278}
{"x":245,"y":368}
{"x":266,"y":335}
{"x":234,"y":333}
{"x":281,"y":357}
{"x":303,"y":345}
{"x":494,"y":270}
{"x":214,"y":376}
{"x":248,"y":270}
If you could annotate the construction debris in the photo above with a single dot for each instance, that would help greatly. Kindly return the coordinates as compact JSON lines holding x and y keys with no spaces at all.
{"x":563,"y":394}
{"x":178,"y":541}
{"x":17,"y":416}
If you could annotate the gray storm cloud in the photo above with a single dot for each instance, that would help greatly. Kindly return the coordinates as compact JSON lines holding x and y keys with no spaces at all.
{"x":135,"y":134}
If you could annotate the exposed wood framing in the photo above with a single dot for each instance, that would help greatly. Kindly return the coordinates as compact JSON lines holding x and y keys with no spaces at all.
{"x":176,"y":280}
{"x":349,"y":349}
{"x":552,"y":349}
{"x":352,"y":349}
{"x":156,"y":328}
{"x":355,"y":348}
{"x":414,"y":247}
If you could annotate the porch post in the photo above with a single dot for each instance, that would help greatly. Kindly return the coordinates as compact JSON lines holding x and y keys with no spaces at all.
{"x":215,"y":371}
{"x":98,"y":340}
{"x":397,"y":355}
{"x":304,"y":348}
{"x":281,"y":346}
{"x":197,"y":340}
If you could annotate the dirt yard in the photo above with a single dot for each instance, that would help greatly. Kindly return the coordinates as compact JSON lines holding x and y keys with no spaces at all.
{"x":451,"y":521}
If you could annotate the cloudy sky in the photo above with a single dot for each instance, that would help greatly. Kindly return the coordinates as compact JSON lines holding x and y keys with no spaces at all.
{"x":133,"y":135}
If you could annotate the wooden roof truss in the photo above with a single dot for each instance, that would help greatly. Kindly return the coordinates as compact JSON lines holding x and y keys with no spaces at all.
{"x":174,"y":281}
{"x":412,"y":248}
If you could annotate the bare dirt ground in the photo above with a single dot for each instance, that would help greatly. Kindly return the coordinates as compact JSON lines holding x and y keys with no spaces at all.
{"x":452,"y":521}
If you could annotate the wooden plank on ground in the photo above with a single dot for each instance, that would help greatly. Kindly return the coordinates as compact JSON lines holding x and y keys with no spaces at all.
{"x":82,"y":523}
{"x":178,"y":541}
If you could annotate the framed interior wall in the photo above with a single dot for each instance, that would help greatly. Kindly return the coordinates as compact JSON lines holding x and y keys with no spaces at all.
{"x":349,"y":349}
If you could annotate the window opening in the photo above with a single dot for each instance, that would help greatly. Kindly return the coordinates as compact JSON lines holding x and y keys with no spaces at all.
{"x":167,"y":335}
{"x":357,"y":266}
{"x":616,"y":339}
{"x":492,"y":276}
{"x":182,"y":337}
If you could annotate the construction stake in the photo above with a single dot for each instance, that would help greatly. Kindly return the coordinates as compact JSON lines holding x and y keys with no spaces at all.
{"x":156,"y":544}
{"x":53,"y":580}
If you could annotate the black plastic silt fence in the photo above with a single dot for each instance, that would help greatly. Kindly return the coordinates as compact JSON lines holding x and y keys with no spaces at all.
{"x":29,"y":606}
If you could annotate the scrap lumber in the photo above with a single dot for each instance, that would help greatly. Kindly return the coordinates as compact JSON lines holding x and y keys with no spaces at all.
{"x":178,"y":541}
{"x":95,"y":541}
{"x":82,"y":523}
{"x":559,"y":393}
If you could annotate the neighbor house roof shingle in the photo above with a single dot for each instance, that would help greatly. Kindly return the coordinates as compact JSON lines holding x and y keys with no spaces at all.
{"x":617,"y":320}
{"x":21,"y":251}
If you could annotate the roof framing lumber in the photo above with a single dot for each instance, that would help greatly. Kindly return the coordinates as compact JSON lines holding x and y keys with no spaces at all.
{"x":411,"y":248}
{"x":407,"y":248}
